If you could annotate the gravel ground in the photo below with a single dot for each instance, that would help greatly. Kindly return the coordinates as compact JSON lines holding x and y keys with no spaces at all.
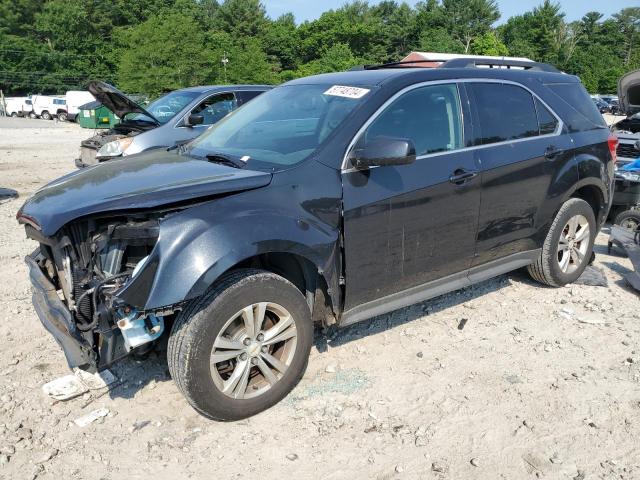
{"x":506,"y":379}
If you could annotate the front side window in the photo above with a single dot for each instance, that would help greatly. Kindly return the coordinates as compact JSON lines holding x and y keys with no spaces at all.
{"x":282,"y":126}
{"x":506,"y":112}
{"x":428,"y":116}
{"x":215,"y":108}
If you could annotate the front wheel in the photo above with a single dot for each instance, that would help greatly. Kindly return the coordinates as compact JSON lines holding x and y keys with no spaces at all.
{"x":568,"y":246}
{"x":46,"y":115}
{"x":14,"y":114}
{"x":243,"y":346}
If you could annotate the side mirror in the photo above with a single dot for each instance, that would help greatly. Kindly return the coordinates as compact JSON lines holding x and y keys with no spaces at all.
{"x":383,"y":151}
{"x":193,"y":120}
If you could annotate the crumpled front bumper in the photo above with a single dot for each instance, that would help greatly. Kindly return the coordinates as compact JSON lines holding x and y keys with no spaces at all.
{"x":57,"y":319}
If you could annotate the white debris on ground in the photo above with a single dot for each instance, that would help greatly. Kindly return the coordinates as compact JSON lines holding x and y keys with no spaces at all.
{"x":71,"y":386}
{"x":506,"y":379}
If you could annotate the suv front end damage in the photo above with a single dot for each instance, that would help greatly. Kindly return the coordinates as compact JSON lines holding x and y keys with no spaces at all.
{"x":76,"y":277}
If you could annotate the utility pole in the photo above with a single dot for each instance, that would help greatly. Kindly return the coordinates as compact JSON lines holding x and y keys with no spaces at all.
{"x":224,"y":61}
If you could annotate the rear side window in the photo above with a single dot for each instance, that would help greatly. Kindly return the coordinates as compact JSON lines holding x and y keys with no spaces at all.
{"x":582,"y":113}
{"x":506,"y":112}
{"x":547,"y":122}
{"x":244,"y":96}
{"x":429,"y":116}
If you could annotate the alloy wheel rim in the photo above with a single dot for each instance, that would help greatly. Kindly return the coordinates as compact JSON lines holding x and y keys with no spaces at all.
{"x":573,"y":244}
{"x":253,"y":350}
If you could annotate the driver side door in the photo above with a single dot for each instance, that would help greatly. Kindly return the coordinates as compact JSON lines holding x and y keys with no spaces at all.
{"x":410,"y":225}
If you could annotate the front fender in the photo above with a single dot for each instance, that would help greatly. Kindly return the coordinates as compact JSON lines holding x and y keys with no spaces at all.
{"x":197,"y":245}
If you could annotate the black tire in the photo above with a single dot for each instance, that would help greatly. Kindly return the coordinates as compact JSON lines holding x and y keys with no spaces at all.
{"x":197,"y":326}
{"x":546,"y":268}
{"x":14,"y":114}
{"x":62,"y":116}
{"x":46,"y":115}
{"x":32,"y":115}
{"x":628,"y":219}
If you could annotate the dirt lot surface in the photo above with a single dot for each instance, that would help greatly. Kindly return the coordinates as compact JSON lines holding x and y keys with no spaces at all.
{"x":504,"y":380}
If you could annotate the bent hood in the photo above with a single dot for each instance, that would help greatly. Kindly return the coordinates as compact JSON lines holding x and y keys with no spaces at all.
{"x":629,"y":92}
{"x":116,"y":101}
{"x":142,"y":181}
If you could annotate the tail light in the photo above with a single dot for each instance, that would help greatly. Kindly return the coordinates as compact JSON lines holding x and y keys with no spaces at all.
{"x":613,"y":145}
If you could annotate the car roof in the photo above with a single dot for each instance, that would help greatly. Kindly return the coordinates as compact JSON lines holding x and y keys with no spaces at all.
{"x":381,"y":76}
{"x":209,"y":88}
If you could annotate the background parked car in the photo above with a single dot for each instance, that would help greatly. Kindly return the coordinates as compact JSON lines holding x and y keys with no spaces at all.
{"x":176,"y":117}
{"x":75,"y":99}
{"x":47,"y":107}
{"x":628,"y":130}
{"x":603,"y":107}
{"x":17,"y":106}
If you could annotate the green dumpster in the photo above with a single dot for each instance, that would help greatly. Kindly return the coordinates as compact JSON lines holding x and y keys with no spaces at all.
{"x":96,"y":115}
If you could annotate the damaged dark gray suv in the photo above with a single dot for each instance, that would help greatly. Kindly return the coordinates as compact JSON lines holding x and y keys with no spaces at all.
{"x":327,"y":200}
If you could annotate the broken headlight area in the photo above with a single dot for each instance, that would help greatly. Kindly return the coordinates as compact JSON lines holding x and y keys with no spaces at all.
{"x":88,"y":263}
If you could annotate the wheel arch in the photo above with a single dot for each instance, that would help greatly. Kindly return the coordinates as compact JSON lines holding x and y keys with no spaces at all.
{"x":593,"y":191}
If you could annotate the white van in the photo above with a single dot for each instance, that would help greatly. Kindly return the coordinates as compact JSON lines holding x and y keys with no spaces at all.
{"x":17,"y":106}
{"x":47,"y":107}
{"x":75,"y":99}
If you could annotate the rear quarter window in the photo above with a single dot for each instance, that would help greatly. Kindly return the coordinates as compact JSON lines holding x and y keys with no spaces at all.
{"x":582,"y":113}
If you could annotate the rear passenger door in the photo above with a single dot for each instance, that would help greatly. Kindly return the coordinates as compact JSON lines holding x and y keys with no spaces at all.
{"x":407,"y":225}
{"x":524,"y":153}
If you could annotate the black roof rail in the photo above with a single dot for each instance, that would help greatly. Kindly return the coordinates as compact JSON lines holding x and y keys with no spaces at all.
{"x":467,"y":62}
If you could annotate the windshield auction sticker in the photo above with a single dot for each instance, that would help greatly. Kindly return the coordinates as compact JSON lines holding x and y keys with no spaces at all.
{"x":347,"y":92}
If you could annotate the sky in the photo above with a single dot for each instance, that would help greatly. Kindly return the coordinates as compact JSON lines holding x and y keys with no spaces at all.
{"x":574,"y":9}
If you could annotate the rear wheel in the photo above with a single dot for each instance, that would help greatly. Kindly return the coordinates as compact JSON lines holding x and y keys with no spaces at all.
{"x":62,"y":116}
{"x":628,"y":219}
{"x":46,"y":115}
{"x":568,"y":246}
{"x":14,"y":114}
{"x":243,"y":346}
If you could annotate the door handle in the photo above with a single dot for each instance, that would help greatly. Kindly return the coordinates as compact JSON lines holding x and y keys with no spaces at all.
{"x":462,"y":176}
{"x":552,"y":152}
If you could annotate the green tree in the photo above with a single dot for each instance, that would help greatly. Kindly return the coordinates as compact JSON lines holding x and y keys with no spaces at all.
{"x":336,"y":58}
{"x":280,"y":42}
{"x":468,"y":19}
{"x":163,"y":53}
{"x":628,"y":20}
{"x":489,"y":44}
{"x":535,"y":34}
{"x":241,"y":18}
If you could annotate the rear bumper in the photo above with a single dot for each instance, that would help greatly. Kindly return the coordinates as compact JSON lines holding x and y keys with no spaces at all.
{"x":57,"y":319}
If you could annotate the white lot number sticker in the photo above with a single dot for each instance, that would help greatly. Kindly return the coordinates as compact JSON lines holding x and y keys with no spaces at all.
{"x":347,"y":92}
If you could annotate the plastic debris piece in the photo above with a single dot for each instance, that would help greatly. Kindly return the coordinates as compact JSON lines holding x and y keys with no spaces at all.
{"x":64,"y":388}
{"x":91,"y":417}
{"x":96,"y":381}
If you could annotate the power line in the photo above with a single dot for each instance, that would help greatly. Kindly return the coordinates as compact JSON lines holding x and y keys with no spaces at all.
{"x":53,"y":53}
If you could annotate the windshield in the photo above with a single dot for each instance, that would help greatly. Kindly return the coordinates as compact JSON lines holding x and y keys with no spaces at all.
{"x":281,"y":127}
{"x":166,"y":107}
